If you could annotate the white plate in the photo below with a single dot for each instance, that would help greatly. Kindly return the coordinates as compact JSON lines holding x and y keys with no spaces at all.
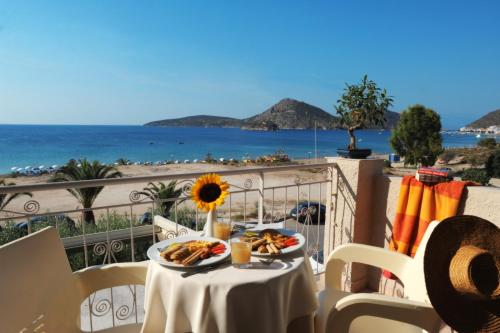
{"x":285,"y":232}
{"x":154,"y":251}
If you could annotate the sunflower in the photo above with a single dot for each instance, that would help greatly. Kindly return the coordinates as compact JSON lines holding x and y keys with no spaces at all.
{"x":209,"y":191}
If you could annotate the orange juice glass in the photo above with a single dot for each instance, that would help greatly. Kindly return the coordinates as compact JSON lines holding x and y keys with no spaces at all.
{"x":241,"y":252}
{"x":222,"y":230}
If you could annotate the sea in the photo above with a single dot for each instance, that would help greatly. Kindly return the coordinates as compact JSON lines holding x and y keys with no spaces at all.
{"x":47,"y":145}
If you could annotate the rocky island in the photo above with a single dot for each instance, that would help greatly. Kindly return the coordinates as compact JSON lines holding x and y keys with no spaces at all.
{"x":286,"y":114}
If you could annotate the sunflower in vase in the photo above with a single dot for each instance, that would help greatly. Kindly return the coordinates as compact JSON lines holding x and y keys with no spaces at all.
{"x":208,"y":192}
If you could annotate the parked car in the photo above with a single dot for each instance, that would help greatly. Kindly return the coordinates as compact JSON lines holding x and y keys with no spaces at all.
{"x":61,"y":219}
{"x":316,"y":207}
{"x":146,"y":218}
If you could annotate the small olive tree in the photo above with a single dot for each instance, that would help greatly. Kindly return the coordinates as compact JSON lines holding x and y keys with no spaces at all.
{"x":362,"y":105}
{"x":417,"y":136}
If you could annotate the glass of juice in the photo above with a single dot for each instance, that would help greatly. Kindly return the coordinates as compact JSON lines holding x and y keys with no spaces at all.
{"x":241,"y":252}
{"x":222,"y":230}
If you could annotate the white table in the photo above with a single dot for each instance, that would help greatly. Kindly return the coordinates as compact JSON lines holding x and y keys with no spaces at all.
{"x":265,"y":298}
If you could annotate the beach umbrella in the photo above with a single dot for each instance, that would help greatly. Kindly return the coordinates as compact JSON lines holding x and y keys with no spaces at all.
{"x":27,"y":168}
{"x":13,"y":169}
{"x":41,"y":167}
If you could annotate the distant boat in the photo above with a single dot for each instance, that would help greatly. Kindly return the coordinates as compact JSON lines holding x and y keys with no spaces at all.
{"x":478,"y":136}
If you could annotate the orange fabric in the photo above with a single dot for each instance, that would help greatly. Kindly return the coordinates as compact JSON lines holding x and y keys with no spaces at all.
{"x":418,"y":205}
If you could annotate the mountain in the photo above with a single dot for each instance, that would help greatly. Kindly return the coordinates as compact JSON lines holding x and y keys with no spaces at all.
{"x":286,"y":114}
{"x":292,"y":114}
{"x":490,"y":119}
{"x":198,"y":121}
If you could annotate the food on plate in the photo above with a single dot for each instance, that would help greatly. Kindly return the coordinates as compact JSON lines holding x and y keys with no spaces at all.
{"x":188,"y":253}
{"x":269,"y":241}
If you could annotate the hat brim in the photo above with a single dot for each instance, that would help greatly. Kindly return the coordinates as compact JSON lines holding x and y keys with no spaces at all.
{"x":459,"y":312}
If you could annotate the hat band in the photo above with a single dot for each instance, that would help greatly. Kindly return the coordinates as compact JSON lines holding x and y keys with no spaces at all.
{"x":475,"y":273}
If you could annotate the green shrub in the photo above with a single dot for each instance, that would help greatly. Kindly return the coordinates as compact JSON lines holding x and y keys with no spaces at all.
{"x":493,"y":164}
{"x":417,"y":136}
{"x":387,"y":164}
{"x":489,"y":143}
{"x":186,"y":217}
{"x":447,"y":156}
{"x":476,"y":175}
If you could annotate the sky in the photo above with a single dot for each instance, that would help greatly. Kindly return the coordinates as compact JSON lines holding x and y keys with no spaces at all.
{"x":130,"y":62}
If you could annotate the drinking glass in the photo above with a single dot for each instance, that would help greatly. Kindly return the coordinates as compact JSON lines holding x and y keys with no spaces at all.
{"x":241,"y":252}
{"x":222,"y":230}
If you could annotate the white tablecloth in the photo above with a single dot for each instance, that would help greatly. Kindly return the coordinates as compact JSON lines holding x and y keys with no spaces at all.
{"x":260,"y":299}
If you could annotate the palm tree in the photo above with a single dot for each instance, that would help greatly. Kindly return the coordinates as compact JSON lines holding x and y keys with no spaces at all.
{"x":161,"y":192}
{"x":85,"y":170}
{"x":6,"y":198}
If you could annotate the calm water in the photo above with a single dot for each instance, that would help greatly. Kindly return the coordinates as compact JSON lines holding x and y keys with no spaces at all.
{"x":34,"y":145}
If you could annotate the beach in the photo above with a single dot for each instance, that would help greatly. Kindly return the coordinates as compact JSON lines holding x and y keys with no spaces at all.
{"x":62,"y":200}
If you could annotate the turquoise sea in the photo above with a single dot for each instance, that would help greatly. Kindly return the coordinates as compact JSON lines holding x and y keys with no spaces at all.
{"x":35,"y":145}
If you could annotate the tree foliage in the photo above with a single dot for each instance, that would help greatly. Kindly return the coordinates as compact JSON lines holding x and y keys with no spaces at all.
{"x":161,"y":194}
{"x":5,"y":198}
{"x":476,"y":175}
{"x":493,"y":164}
{"x":362,"y":105}
{"x":417,"y":136}
{"x":85,"y":170}
{"x":489,"y":143}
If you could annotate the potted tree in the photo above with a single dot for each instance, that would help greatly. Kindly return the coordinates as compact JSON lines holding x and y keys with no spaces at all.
{"x":361,"y":105}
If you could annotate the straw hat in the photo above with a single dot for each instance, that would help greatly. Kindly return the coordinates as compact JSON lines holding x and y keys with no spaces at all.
{"x":461,"y":267}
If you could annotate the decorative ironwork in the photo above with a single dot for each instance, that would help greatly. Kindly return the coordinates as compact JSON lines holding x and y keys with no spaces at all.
{"x":100,"y":249}
{"x":248,"y":183}
{"x":124,"y":311}
{"x":101,"y":308}
{"x":31,"y":207}
{"x":170,"y":234}
{"x":187,"y":187}
{"x":108,"y":249}
{"x":135,"y":196}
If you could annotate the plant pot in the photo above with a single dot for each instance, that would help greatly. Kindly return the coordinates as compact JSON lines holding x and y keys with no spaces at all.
{"x":354,"y":153}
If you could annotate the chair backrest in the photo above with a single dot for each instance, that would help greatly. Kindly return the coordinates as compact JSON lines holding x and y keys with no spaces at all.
{"x":414,"y":282}
{"x":37,"y":290}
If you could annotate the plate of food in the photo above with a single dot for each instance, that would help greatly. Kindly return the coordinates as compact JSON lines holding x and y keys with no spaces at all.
{"x":189,"y":251}
{"x":272,"y":242}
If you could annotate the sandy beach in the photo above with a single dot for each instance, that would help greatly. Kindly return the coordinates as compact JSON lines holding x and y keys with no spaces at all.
{"x":61,"y":200}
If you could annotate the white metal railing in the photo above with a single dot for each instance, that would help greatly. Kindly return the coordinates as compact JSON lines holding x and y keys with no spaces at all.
{"x":298,"y":199}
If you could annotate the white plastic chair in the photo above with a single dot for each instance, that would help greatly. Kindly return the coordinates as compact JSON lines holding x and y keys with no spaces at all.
{"x":366,"y":312}
{"x":39,"y":293}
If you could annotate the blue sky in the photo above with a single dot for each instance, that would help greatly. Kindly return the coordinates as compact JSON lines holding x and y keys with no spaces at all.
{"x":129,"y":62}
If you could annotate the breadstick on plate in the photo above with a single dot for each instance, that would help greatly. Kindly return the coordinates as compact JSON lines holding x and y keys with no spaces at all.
{"x":179,"y":254}
{"x":192,"y":258}
{"x":275,"y":249}
{"x":171,"y":249}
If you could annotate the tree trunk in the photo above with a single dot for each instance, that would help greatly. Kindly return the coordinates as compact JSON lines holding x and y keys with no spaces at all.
{"x":352,"y":139}
{"x":88,"y":217}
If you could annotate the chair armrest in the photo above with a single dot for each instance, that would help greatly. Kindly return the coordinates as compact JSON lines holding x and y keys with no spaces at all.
{"x":349,"y":308}
{"x":92,"y":279}
{"x":395,"y":262}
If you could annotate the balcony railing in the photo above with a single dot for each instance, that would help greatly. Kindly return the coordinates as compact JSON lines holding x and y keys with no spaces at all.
{"x":301,"y":197}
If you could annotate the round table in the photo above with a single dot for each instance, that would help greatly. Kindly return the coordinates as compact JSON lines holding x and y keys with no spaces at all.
{"x":279,"y":297}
